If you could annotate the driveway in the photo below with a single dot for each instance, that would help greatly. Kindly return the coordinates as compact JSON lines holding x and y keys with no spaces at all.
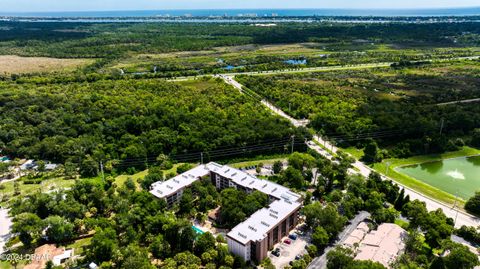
{"x":288,"y":252}
{"x":321,"y":262}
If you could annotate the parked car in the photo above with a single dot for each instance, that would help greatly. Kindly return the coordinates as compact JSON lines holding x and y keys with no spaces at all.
{"x":293,"y":236}
{"x":287,"y":241}
{"x":298,"y":257}
{"x":276,"y":252}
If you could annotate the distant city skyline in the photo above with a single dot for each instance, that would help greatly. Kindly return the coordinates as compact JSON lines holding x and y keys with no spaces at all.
{"x":114,"y":5}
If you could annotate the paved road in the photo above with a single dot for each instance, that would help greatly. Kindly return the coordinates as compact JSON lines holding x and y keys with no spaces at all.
{"x":461,"y":217}
{"x":459,"y":102}
{"x":231,"y":81}
{"x":321,"y":262}
{"x":319,"y":69}
{"x":5,"y":224}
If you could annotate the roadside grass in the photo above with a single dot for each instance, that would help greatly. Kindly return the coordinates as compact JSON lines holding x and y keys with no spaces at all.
{"x":325,"y":148}
{"x":256,"y":162}
{"x":410,"y":182}
{"x":357,"y":153}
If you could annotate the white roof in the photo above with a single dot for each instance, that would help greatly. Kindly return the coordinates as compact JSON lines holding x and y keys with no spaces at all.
{"x":255,"y":228}
{"x":251,"y":182}
{"x":57,"y":260}
{"x":162,"y":189}
{"x":51,"y":166}
{"x":26,"y":165}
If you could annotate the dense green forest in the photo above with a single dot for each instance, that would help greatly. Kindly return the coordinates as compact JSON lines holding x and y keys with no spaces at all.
{"x":118,"y":112}
{"x":395,"y":106}
{"x":132,"y":120}
{"x":113,"y":39}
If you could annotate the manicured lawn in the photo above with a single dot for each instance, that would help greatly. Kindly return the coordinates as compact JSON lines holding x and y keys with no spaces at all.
{"x":45,"y":186}
{"x":120,"y":180}
{"x":417,"y":185}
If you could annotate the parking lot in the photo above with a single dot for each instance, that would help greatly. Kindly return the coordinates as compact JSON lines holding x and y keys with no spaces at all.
{"x":288,"y":252}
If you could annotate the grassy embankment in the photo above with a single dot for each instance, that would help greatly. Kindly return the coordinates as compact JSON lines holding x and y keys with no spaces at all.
{"x":410,"y":182}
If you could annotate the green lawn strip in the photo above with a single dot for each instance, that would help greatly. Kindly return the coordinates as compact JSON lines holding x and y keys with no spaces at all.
{"x":256,"y":162}
{"x":120,"y":180}
{"x":420,"y":186}
{"x":357,"y":153}
{"x":79,"y":245}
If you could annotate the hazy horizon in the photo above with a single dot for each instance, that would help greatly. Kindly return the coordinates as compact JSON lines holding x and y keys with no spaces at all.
{"x":33,"y":6}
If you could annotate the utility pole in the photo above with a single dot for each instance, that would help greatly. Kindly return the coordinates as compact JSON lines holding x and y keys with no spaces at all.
{"x":293,"y":142}
{"x":455,"y":205}
{"x":442,"y":122}
{"x":201,"y":157}
{"x":101,"y":170}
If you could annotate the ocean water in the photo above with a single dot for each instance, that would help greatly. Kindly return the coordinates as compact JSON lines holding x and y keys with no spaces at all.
{"x":258,"y":12}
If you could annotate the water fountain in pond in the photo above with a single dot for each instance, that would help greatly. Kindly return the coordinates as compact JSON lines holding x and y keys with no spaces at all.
{"x":456,"y":174}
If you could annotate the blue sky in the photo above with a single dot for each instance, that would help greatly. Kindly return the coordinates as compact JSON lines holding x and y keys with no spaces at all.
{"x":101,"y":5}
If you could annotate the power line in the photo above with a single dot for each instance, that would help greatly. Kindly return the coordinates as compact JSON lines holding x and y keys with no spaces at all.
{"x":212,"y":154}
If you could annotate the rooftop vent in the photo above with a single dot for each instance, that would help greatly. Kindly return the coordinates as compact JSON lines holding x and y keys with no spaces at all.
{"x":242,"y":235}
{"x":264,"y":223}
{"x":273,"y":216}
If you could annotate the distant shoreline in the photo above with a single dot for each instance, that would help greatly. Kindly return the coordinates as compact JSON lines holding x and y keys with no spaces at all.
{"x":259,"y":13}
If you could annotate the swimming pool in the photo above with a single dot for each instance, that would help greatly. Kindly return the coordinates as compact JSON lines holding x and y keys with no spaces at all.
{"x":197,"y":230}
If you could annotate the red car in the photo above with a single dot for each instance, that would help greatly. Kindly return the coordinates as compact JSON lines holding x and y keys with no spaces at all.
{"x":287,"y":241}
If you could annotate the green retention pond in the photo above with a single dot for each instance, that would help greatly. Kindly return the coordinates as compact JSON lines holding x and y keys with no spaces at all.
{"x":459,"y":176}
